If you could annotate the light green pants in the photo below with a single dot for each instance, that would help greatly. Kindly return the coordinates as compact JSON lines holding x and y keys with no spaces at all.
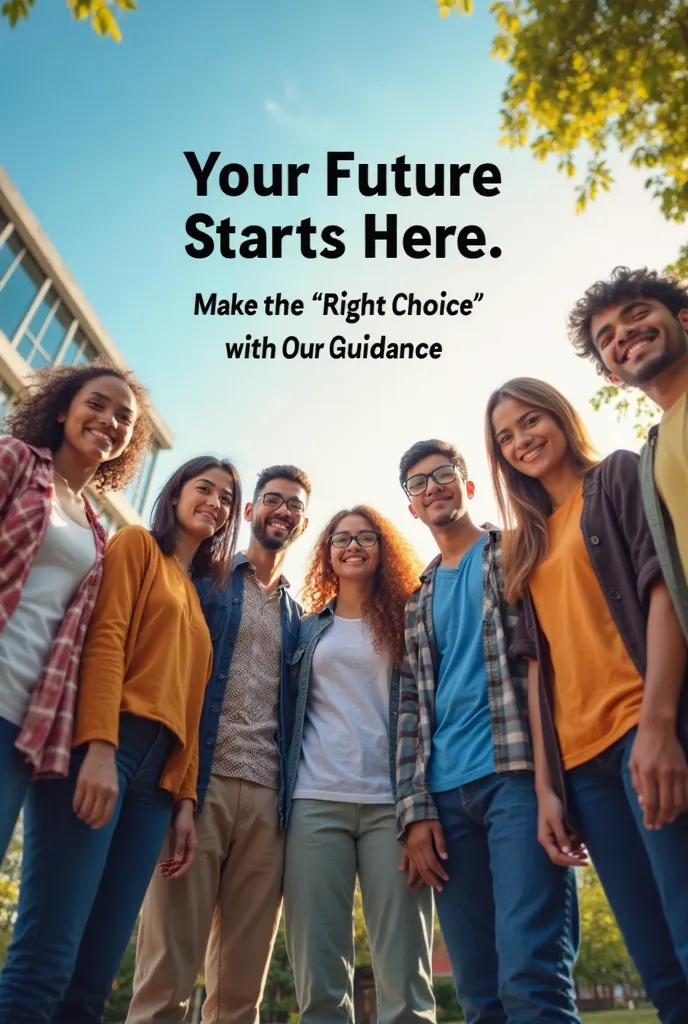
{"x":328,"y":845}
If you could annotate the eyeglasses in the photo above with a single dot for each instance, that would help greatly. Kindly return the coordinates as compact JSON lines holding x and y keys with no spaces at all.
{"x":273,"y":500}
{"x":418,"y":483}
{"x":364,"y":539}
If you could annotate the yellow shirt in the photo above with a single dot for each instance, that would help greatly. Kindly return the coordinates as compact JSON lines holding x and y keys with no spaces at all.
{"x":597,"y":690}
{"x":671,"y":471}
{"x":147,"y":652}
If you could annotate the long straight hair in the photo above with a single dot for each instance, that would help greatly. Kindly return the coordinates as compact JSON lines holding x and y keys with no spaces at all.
{"x":215,"y":555}
{"x":523,"y":502}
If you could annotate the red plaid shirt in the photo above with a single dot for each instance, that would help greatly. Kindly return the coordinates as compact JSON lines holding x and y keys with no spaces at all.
{"x":26,"y":493}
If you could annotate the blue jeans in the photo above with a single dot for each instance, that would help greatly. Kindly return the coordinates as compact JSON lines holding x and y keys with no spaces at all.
{"x":644,"y":874}
{"x":82,"y":889}
{"x":509,"y":916}
{"x":15,"y":776}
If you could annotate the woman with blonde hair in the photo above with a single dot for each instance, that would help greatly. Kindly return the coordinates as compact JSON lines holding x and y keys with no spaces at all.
{"x":341,"y":779}
{"x":607,"y":665}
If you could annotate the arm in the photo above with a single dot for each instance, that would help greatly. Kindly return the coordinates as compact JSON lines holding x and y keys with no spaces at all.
{"x":103,"y":658}
{"x":563,"y":849}
{"x":658,"y":763}
{"x":416,"y":811}
{"x":99,"y":696}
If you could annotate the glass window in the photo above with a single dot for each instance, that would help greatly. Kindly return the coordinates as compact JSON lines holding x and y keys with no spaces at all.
{"x":8,"y":254}
{"x":5,"y":395}
{"x":46,"y":332}
{"x":137,"y":491}
{"x":18,"y":292}
{"x":80,"y":350}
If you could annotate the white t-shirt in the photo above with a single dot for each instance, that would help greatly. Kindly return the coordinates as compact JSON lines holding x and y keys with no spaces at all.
{"x":345,"y":749}
{"x":66,"y":555}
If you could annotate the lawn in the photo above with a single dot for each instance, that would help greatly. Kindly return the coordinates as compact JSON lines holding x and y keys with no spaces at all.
{"x":647,"y":1016}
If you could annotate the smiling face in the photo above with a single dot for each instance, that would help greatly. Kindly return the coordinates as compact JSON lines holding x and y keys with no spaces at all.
{"x":439,"y":505}
{"x":100,"y":420}
{"x":276,"y":525}
{"x":639,"y":339}
{"x":358,"y":561}
{"x":529,"y":438}
{"x":204,"y":504}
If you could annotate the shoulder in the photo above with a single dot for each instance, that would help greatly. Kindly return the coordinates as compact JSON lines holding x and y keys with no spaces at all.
{"x":619,"y":468}
{"x":133,"y":540}
{"x":14,"y":452}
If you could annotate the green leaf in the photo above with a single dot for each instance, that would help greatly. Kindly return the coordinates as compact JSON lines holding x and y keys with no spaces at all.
{"x":105,"y":24}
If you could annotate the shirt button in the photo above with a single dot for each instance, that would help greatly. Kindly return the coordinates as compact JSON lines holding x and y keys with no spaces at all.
{"x":595,"y":540}
{"x":208,"y":743}
{"x":214,"y":708}
{"x":615,"y":595}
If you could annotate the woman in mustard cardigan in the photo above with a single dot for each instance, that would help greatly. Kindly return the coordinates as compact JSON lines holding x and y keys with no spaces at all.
{"x":92,"y":840}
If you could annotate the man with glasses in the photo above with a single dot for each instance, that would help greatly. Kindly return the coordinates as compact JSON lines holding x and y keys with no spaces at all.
{"x":232,"y":893}
{"x":466,"y":804}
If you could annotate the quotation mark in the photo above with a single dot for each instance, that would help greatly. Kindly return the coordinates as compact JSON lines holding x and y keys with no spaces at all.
{"x":317,"y":296}
{"x":478,"y":297}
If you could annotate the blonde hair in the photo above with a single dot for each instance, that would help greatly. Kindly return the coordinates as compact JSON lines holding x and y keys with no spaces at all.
{"x":523,"y":502}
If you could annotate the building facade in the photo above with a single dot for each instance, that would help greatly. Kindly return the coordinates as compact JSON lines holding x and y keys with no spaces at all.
{"x":45,"y":319}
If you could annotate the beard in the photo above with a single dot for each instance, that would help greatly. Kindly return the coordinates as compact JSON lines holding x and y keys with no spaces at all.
{"x":676,"y":348}
{"x":260,"y":532}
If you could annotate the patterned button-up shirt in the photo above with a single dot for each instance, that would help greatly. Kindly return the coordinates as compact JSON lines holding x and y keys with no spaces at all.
{"x":506,"y":687}
{"x":26,"y":495}
{"x":247,"y":732}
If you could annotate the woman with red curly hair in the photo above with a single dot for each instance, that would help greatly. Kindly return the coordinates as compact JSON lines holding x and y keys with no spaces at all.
{"x":71,"y":427}
{"x":340,"y":793}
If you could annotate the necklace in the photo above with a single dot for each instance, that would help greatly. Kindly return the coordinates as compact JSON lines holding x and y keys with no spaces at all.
{"x":187,"y":571}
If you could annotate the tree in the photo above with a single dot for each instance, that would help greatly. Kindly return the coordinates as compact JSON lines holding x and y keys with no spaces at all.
{"x":9,"y":890}
{"x":603,"y":961}
{"x":101,"y":13}
{"x":590,"y":76}
{"x":594,"y":75}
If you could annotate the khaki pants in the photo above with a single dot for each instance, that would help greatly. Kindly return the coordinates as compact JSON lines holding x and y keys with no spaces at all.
{"x":232,"y":896}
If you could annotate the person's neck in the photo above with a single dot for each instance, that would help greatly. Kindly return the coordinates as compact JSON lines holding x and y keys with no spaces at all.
{"x":185,"y":548}
{"x":73,"y":469}
{"x":352,"y":598}
{"x":268,"y":564}
{"x":561,"y":483}
{"x":455,"y":539}
{"x":670,"y":385}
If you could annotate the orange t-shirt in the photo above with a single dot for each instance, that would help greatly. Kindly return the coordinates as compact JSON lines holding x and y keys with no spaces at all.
{"x":597,"y":689}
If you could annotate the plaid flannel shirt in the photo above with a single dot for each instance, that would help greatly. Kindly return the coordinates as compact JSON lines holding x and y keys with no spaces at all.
{"x":26,"y":493}
{"x":506,"y":687}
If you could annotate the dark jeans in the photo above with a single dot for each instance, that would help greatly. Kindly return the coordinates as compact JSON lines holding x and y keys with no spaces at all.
{"x":81,"y":889}
{"x":508,"y":915}
{"x":644,"y":874}
{"x":14,"y":782}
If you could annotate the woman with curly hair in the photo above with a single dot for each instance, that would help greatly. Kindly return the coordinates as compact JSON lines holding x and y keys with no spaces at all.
{"x":92,"y":840}
{"x":69,"y":428}
{"x":341,"y":779}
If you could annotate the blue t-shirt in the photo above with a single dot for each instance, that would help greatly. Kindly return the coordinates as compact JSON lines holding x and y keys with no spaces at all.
{"x":462,"y":748}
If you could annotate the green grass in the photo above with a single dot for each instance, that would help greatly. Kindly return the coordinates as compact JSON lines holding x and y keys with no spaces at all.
{"x":647,"y":1016}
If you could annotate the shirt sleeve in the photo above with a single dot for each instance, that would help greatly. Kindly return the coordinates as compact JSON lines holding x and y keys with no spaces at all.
{"x":414,"y":802}
{"x":523,"y":644}
{"x":621,"y":480}
{"x":14,"y":455}
{"x":102,"y":664}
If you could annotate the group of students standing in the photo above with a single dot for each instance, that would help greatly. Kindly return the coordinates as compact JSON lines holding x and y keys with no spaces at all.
{"x":182,"y":736}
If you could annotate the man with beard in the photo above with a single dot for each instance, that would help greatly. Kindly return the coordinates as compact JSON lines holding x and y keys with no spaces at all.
{"x":466,"y":802}
{"x":229,"y":901}
{"x":635,"y":328}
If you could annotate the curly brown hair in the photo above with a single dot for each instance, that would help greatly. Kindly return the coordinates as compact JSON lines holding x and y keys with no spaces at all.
{"x":396,"y":578}
{"x":32,"y":416}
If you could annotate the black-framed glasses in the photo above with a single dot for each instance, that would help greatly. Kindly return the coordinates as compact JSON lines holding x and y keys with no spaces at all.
{"x":417,"y":484}
{"x":364,"y":539}
{"x":273,"y":500}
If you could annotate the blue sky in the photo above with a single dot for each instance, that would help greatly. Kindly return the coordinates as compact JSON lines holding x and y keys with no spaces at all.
{"x":94,"y":137}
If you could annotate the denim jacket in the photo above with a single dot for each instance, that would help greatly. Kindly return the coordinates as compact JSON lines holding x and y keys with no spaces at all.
{"x":223,"y":610}
{"x":663,"y":532}
{"x":311,"y":629}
